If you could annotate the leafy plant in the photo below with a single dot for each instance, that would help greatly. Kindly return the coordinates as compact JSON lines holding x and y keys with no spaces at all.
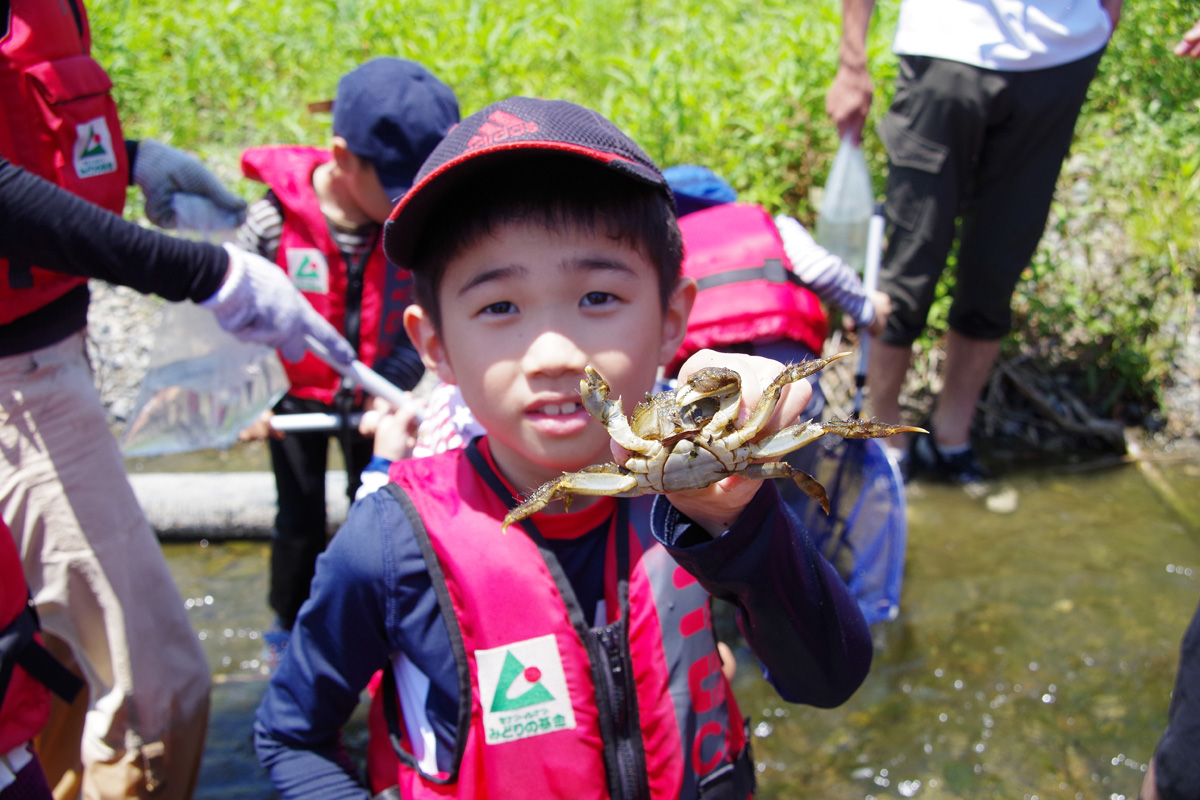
{"x":737,"y":85}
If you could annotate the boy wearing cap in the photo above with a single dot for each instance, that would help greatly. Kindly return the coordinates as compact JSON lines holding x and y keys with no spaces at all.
{"x":573,"y":656}
{"x":321,"y":222}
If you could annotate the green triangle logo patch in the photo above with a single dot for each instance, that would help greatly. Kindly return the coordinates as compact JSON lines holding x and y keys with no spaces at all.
{"x":523,"y":690}
{"x":307,"y":269}
{"x":509,"y":672}
{"x":93,"y":154}
{"x":94,"y":146}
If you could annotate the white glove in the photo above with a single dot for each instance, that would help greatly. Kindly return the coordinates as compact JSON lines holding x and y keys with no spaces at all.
{"x":163,"y":171}
{"x":257,"y":303}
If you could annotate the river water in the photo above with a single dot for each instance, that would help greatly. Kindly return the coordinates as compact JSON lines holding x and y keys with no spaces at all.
{"x":1033,"y":657}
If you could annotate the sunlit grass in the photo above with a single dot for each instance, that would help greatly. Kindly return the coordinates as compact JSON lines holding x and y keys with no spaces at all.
{"x":737,"y":85}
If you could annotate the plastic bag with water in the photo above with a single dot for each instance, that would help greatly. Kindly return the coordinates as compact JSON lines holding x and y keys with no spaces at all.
{"x":202,"y":386}
{"x":846,"y":206}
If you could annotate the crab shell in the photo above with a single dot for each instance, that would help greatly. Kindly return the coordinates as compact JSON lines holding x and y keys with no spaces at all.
{"x":688,"y":438}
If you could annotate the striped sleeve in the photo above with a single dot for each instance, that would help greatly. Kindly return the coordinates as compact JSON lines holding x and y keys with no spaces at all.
{"x":261,"y":231}
{"x":829,"y":277}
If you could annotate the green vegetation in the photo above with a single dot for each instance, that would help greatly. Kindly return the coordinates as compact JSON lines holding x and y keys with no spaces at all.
{"x":738,"y":85}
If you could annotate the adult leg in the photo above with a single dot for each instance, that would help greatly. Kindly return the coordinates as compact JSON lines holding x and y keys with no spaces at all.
{"x":356,"y":448}
{"x":1031,"y":120}
{"x":887,"y":366}
{"x":99,"y":581}
{"x":299,"y":462}
{"x":968,"y":364}
{"x":933,"y":132}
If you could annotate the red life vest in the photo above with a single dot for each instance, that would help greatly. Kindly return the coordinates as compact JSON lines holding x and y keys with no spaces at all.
{"x":373,"y":301}
{"x":60,"y":122}
{"x":747,"y":290}
{"x":25,"y":705}
{"x":536,"y":686}
{"x":27,"y":670}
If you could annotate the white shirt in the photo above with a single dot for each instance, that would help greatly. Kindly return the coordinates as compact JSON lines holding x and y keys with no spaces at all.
{"x":1012,"y":35}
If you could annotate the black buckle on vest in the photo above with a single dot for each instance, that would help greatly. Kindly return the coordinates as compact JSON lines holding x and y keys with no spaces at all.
{"x":732,"y":781}
{"x":18,"y":647}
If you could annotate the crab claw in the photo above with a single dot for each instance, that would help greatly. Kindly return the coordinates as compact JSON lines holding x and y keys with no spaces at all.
{"x":594,"y":391}
{"x":867,"y":429}
{"x":710,"y":398}
{"x":709,"y":382}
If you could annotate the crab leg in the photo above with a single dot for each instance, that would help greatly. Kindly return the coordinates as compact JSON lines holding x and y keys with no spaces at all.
{"x":785,"y":441}
{"x":765,"y":406}
{"x":781,"y":469}
{"x":794,"y":437}
{"x":594,"y":392}
{"x":867,"y":428}
{"x":602,"y":479}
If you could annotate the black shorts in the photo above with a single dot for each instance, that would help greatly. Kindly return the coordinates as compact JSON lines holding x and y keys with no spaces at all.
{"x":974,"y":153}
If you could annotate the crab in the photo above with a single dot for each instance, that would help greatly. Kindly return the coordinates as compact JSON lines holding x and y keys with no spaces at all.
{"x":688,"y":438}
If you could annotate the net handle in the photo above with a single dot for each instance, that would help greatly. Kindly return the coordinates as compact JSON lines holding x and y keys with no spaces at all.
{"x":870,"y":281}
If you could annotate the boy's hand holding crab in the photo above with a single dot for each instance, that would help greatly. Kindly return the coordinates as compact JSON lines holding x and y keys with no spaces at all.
{"x":717,"y":506}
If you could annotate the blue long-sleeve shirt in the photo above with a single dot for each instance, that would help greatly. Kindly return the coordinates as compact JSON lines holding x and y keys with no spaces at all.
{"x":372,"y":598}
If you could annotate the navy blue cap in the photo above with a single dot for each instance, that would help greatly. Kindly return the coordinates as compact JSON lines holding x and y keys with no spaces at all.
{"x":512,"y":128}
{"x":393,"y":113}
{"x":697,"y":188}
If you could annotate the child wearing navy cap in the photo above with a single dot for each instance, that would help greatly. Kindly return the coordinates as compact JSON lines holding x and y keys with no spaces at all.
{"x":321,"y":221}
{"x":573,"y":656}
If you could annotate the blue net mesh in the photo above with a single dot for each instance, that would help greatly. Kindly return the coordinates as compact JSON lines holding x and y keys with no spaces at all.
{"x":864,"y":536}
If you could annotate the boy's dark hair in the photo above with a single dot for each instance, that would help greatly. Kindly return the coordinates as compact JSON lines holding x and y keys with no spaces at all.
{"x":558,"y":192}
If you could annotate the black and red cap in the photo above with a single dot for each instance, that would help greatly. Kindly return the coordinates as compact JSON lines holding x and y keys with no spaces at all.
{"x":516,"y":127}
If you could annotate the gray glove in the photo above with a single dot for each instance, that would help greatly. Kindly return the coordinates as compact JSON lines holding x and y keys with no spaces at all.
{"x":257,"y":303}
{"x":163,"y":171}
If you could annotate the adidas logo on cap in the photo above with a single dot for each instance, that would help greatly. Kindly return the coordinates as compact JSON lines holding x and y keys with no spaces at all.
{"x":522,"y":125}
{"x":499,"y":127}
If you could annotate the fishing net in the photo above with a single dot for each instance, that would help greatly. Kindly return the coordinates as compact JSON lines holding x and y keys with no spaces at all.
{"x":865,"y":534}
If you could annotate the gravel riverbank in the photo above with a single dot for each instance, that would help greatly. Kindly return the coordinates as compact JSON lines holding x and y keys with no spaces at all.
{"x":122,"y":325}
{"x":121,"y":328}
